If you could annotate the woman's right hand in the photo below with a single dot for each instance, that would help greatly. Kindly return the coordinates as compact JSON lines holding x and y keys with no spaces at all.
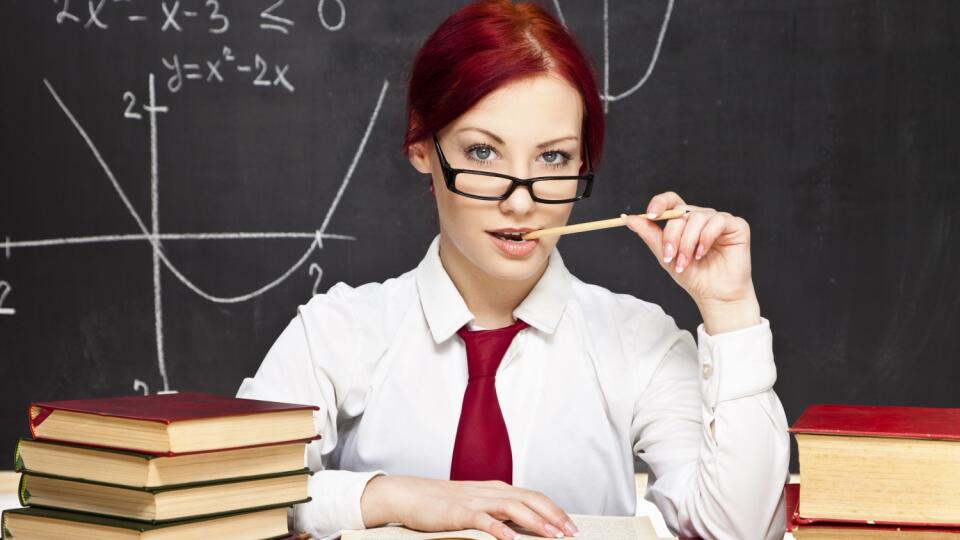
{"x":426,"y":504}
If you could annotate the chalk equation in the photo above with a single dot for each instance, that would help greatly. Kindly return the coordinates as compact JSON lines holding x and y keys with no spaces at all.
{"x":174,"y":16}
{"x":214,"y":71}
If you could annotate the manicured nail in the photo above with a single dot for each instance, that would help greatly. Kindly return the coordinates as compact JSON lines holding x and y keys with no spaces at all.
{"x":651,"y":215}
{"x":699,"y":252}
{"x":571,"y":528}
{"x":552,"y":531}
{"x":667,"y":252}
{"x":681,"y":263}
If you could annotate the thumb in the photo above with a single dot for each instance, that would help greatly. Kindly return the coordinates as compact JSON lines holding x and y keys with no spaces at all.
{"x":648,"y":231}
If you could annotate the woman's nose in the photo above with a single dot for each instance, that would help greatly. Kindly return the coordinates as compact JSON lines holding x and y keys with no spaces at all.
{"x":520,"y":201}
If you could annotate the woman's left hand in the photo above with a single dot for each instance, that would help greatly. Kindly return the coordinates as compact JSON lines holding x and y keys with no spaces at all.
{"x":708,"y":254}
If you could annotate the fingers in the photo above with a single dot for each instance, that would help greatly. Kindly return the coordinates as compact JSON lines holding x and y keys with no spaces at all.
{"x":683,"y":240}
{"x":487,"y":523}
{"x":517,"y":511}
{"x":661,"y":203}
{"x":442,"y":505}
{"x":649,"y":232}
{"x":711,"y":231}
{"x":529,"y":509}
{"x":690,"y":243}
{"x":549,"y":510}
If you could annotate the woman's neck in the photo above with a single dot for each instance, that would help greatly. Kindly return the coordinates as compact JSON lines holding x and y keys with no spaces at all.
{"x":490,"y":299}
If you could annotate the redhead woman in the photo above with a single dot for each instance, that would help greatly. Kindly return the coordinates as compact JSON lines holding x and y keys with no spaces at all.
{"x":489,"y":384}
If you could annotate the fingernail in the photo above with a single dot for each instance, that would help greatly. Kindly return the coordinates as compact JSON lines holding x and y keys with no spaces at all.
{"x":552,"y":531}
{"x":681,"y":263}
{"x":651,"y":215}
{"x":699,"y":252}
{"x":571,"y":528}
{"x":667,"y":252}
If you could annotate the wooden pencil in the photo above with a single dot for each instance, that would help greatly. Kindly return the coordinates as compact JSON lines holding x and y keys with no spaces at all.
{"x":601,"y":224}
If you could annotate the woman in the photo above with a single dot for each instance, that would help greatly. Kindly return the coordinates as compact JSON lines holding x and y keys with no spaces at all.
{"x":420,"y":424}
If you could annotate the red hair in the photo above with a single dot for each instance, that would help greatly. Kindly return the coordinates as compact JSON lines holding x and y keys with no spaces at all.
{"x":486,"y":45}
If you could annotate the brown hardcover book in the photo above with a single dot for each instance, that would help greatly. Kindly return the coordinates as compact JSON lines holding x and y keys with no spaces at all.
{"x":135,"y":469}
{"x":171,"y":424}
{"x":42,"y":523}
{"x":158,"y":505}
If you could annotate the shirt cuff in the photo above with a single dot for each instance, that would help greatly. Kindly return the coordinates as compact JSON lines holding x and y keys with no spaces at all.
{"x":735,"y":364}
{"x":335,"y":502}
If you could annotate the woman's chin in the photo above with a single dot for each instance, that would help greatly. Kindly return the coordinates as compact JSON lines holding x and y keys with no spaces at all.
{"x":512,"y":268}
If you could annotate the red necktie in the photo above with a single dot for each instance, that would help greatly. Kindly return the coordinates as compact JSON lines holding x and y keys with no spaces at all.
{"x":482,"y":447}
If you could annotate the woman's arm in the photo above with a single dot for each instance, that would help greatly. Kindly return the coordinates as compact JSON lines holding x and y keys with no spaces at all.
{"x":709,"y":423}
{"x":714,"y":434}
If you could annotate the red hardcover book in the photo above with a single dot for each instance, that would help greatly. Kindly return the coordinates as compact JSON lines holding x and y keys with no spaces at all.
{"x":880,"y":421}
{"x":880,"y":465}
{"x":172,"y":424}
{"x":835,"y":529}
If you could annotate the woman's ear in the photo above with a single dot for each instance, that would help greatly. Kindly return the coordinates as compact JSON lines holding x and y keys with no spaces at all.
{"x":419,"y":157}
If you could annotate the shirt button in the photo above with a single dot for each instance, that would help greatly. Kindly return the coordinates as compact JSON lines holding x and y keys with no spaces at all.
{"x":707,"y":371}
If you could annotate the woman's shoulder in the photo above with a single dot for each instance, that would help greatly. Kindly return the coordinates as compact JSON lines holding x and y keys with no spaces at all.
{"x":368,"y":306}
{"x":599,"y":302}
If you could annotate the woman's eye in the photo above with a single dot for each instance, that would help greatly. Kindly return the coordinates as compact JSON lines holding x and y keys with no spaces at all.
{"x":480,"y":153}
{"x":551,"y":157}
{"x":555,"y":158}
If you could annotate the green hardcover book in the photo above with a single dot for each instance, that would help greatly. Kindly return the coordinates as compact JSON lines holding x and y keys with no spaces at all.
{"x":135,"y":469}
{"x":46,"y":524}
{"x":164,"y":504}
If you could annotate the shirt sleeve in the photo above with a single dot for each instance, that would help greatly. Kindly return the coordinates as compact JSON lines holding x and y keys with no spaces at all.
{"x":314,"y":362}
{"x":714,"y":434}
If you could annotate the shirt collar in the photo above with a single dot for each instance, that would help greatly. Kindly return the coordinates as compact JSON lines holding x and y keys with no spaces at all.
{"x":446,"y":312}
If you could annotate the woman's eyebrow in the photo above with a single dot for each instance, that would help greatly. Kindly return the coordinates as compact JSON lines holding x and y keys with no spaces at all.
{"x":500,"y":141}
{"x":555,"y":141}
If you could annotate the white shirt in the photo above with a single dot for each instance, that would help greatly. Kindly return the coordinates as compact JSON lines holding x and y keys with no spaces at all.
{"x":597,"y":377}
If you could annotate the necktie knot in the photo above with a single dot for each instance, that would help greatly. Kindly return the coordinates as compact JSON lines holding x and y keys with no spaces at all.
{"x":485,"y":348}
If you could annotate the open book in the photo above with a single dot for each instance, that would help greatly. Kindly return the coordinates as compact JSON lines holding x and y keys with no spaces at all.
{"x":591,"y":528}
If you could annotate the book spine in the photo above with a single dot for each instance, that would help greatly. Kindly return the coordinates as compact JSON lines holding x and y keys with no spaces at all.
{"x":4,"y":531}
{"x":22,"y":492}
{"x":18,"y":458}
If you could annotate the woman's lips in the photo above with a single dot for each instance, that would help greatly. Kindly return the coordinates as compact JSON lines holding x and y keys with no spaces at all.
{"x":513,"y":248}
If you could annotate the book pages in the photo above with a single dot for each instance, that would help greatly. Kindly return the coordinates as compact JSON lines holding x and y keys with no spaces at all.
{"x":591,"y":528}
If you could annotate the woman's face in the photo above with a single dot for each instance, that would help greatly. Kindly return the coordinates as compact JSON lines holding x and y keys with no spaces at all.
{"x":528,"y":128}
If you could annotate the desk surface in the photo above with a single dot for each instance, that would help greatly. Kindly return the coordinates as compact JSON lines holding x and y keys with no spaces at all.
{"x":9,"y":481}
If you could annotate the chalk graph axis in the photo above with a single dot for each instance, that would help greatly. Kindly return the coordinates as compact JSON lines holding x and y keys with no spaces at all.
{"x":155,"y":238}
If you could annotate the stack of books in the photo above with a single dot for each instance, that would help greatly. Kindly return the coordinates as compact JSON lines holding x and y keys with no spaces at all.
{"x":876,"y":472}
{"x":183,"y":466}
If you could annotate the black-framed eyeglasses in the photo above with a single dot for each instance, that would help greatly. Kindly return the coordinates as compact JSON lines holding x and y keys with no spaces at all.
{"x":491,"y":186}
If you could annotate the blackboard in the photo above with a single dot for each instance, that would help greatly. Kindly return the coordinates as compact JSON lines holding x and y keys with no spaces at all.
{"x":178,"y":176}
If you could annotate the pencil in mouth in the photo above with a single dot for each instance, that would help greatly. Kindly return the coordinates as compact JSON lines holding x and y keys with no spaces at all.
{"x":513,"y":235}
